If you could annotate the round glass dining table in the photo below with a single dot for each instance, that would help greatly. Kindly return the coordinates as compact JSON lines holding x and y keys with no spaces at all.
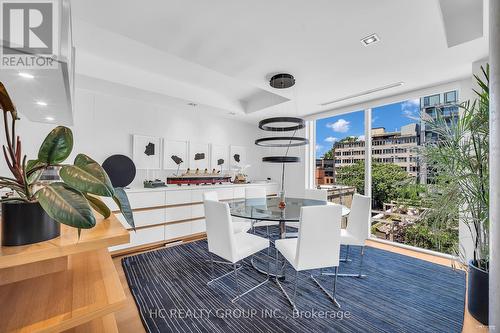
{"x":267,"y":209}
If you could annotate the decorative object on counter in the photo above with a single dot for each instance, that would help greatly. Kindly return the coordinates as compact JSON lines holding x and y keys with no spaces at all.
{"x":241,"y":176}
{"x":146,"y":152}
{"x":154,"y":183}
{"x":219,"y":156}
{"x":69,"y":202}
{"x":120,"y":169}
{"x":177,"y":160}
{"x":238,"y":156}
{"x":198,"y":178}
{"x":178,"y":149}
{"x":282,"y":124}
{"x":198,"y":155}
{"x":220,"y":163}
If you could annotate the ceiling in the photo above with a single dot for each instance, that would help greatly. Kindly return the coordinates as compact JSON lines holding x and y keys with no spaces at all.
{"x":220,"y":54}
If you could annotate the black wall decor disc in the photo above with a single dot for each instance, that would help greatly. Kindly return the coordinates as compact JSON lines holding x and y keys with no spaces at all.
{"x":282,"y":81}
{"x":120,"y":169}
{"x":281,"y":159}
{"x":298,"y":124}
{"x":292,"y":141}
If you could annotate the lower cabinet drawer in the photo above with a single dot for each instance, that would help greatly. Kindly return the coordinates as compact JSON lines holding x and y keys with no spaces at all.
{"x":177,"y":230}
{"x":145,"y":217}
{"x":143,"y":236}
{"x":197,"y":211}
{"x":178,"y":213}
{"x":198,"y":226}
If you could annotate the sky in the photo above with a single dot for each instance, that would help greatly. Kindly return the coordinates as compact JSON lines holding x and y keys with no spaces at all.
{"x":391,"y":117}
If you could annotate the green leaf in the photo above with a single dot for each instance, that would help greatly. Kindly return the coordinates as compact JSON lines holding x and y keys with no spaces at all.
{"x":87,"y":176}
{"x":98,"y":205}
{"x":66,"y":205}
{"x":57,"y":146}
{"x":32,"y":165}
{"x":121,"y":200}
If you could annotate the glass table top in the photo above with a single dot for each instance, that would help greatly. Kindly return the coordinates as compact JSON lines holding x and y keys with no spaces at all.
{"x":267,"y":208}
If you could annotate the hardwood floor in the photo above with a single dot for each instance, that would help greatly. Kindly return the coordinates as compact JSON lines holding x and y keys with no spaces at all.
{"x":128,"y":319}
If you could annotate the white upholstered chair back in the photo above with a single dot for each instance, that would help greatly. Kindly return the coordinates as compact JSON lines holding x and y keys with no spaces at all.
{"x":318,"y":243}
{"x":359,"y":218}
{"x":211,"y":196}
{"x":219,"y":229}
{"x":316,"y":194}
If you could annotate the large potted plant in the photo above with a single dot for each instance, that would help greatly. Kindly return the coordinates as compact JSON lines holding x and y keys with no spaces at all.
{"x":33,"y":213}
{"x":459,"y":161}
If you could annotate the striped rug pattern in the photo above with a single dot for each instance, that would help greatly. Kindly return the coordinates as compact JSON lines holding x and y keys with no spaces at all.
{"x":400,"y":294}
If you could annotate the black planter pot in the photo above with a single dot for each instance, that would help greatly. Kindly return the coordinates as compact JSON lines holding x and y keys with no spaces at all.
{"x":477,"y":293}
{"x":26,"y":223}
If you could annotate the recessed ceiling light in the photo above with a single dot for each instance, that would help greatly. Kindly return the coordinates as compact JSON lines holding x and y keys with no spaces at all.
{"x":49,"y":118}
{"x":41,"y":103}
{"x":26,"y":75}
{"x":371,"y":39}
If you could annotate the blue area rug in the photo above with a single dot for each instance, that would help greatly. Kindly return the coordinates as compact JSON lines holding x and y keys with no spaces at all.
{"x":400,"y":294}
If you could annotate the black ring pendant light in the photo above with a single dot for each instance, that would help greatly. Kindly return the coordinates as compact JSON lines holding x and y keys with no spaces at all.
{"x":281,"y":159}
{"x":298,"y":123}
{"x":276,"y":124}
{"x":268,"y":142}
{"x":293,"y":141}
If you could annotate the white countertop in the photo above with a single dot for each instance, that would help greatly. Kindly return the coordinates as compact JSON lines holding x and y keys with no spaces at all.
{"x":173,"y":187}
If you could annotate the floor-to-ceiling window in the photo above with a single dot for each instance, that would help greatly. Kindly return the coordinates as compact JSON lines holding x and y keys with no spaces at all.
{"x":402,"y":182}
{"x":340,"y":151}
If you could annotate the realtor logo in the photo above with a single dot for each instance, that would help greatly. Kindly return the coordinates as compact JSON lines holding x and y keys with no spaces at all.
{"x":28,"y":34}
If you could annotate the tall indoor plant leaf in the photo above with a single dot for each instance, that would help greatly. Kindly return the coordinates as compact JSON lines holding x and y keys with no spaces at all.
{"x":87,"y":176}
{"x":57,"y":146}
{"x":66,"y":205}
{"x":121,"y":200}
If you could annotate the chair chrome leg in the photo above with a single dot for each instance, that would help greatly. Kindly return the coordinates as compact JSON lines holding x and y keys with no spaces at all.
{"x":219,"y":262}
{"x":358,"y":275}
{"x":332,"y":298}
{"x":361,"y":260}
{"x":295,"y":288}
{"x":346,"y":259}
{"x":276,"y":264}
{"x":251,"y":289}
{"x":236,"y":279}
{"x":211,"y":266}
{"x":335,"y":282}
{"x":224,"y":275}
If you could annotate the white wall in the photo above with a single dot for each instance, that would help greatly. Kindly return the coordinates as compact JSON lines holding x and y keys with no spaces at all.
{"x":104,"y":124}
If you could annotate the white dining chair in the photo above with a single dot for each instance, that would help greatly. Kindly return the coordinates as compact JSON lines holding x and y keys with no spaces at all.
{"x":258,"y":193}
{"x":317,"y":246}
{"x":230,"y":246}
{"x":238,"y":226}
{"x":316,"y":194}
{"x":357,"y":231}
{"x":313,"y":194}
